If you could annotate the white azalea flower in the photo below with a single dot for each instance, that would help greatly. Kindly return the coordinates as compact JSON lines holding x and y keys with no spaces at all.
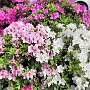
{"x":58,"y":42}
{"x":60,"y":26}
{"x":42,"y":58}
{"x":60,"y":69}
{"x":86,"y":84}
{"x":72,"y":26}
{"x":70,"y":48}
{"x":83,"y":57}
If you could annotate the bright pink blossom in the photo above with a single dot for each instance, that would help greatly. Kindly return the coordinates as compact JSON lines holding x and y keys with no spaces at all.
{"x":36,"y":17}
{"x":59,"y":9}
{"x":80,"y":9}
{"x":17,"y":1}
{"x":41,"y":16}
{"x":29,"y":87}
{"x":72,"y":2}
{"x":2,"y":15}
{"x":54,"y":15}
{"x":45,"y":11}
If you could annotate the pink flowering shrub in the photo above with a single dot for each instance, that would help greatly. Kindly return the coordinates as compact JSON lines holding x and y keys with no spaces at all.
{"x":35,"y":57}
{"x":41,"y":48}
{"x":29,"y":87}
{"x":17,"y":1}
{"x":23,"y":43}
{"x":46,"y":12}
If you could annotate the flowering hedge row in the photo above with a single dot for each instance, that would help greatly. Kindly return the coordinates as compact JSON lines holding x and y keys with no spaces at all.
{"x":44,"y":45}
{"x":46,"y":12}
{"x":36,"y":57}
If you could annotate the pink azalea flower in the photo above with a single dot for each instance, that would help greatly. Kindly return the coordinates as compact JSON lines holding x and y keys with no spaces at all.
{"x":59,"y":9}
{"x":36,"y":17}
{"x":33,"y":49}
{"x":30,"y":17}
{"x":1,"y":49}
{"x":72,"y":2}
{"x":1,"y":31}
{"x":3,"y":74}
{"x":24,"y":88}
{"x":80,"y":9}
{"x":1,"y":41}
{"x":33,"y":8}
{"x":17,"y":1}
{"x":17,"y":52}
{"x":12,"y":11}
{"x":29,"y":74}
{"x":22,"y":7}
{"x":41,"y":16}
{"x":17,"y":71}
{"x":12,"y":61}
{"x":11,"y":77}
{"x":47,"y":70}
{"x":29,"y":87}
{"x":45,"y":11}
{"x":2,"y":15}
{"x":54,"y":15}
{"x":26,"y":39}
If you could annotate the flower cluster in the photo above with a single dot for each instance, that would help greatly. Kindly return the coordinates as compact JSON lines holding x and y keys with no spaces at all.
{"x":43,"y":11}
{"x":42,"y":57}
{"x":44,"y":45}
{"x":29,"y":87}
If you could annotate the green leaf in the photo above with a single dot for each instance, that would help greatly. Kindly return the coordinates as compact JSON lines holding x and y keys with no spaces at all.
{"x":51,"y":7}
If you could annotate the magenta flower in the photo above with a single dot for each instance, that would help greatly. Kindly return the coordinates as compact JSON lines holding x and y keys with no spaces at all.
{"x":22,"y":19}
{"x":36,"y":17}
{"x":11,"y":15}
{"x":86,"y":21}
{"x":45,"y":11}
{"x":33,"y":49}
{"x":54,"y":15}
{"x":80,"y":9}
{"x":22,"y":7}
{"x":72,"y":2}
{"x":41,"y":16}
{"x":24,"y":88}
{"x":12,"y":11}
{"x":29,"y":87}
{"x":30,"y":17}
{"x":17,"y":1}
{"x":59,"y":9}
{"x":33,"y":8}
{"x":2,"y":15}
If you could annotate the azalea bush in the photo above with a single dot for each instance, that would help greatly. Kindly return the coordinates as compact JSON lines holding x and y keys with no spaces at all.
{"x":44,"y":45}
{"x":44,"y":12}
{"x":33,"y":58}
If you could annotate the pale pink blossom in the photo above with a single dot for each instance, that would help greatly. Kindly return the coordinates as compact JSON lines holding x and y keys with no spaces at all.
{"x":33,"y":49}
{"x":1,"y":49}
{"x":29,"y":74}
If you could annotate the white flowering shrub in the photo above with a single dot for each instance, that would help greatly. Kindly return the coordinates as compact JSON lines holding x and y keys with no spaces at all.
{"x":38,"y":58}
